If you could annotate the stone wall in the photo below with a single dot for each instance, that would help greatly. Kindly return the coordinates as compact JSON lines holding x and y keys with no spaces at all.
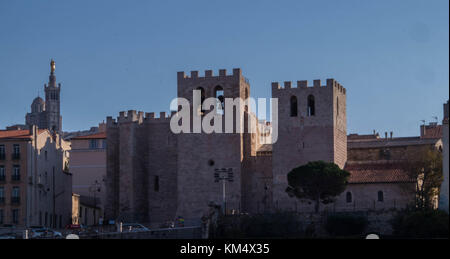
{"x":305,"y":138}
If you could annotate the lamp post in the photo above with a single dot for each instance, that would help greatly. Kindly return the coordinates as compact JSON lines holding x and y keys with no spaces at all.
{"x":94,"y":188}
{"x":224,"y":175}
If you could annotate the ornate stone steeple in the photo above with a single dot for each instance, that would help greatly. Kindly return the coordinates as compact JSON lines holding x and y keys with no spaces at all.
{"x":52,"y":101}
{"x":52,"y":78}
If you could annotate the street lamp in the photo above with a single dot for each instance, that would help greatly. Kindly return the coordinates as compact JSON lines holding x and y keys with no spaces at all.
{"x":224,"y":175}
{"x":94,"y":188}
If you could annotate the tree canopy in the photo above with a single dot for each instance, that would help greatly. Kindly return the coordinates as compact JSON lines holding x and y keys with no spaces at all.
{"x":318,"y":181}
{"x":426,"y":167}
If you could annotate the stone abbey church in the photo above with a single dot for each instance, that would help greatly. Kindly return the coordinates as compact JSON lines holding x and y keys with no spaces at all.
{"x":154,"y":175}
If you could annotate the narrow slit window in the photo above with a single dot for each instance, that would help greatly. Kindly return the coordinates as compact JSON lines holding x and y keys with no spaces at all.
{"x":294,"y":106}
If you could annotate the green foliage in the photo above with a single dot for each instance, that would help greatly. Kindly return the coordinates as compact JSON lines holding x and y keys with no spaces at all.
{"x":426,"y":167}
{"x":346,"y":225}
{"x":277,"y":225}
{"x":318,"y":181}
{"x":421,"y":224}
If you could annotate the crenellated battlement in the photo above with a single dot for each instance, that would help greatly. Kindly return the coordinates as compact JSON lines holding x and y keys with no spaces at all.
{"x":138,"y":117}
{"x":209,"y":74}
{"x":304,"y":84}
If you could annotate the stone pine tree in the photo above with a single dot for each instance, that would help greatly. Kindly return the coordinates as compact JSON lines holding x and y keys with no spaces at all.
{"x":318,"y":181}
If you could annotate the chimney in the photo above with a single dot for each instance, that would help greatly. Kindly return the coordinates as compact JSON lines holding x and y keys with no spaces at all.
{"x":385,"y":135}
{"x":392,"y":134}
{"x":423,"y":130}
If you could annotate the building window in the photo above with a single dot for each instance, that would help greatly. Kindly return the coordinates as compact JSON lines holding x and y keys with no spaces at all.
{"x":380,"y":196}
{"x":311,"y":106}
{"x":93,"y":144}
{"x":15,"y":216}
{"x":294,"y":106}
{"x":16,"y":173}
{"x":1,"y":216}
{"x":2,"y":152}
{"x":40,"y":218}
{"x":219,"y":94}
{"x":202,"y":99}
{"x":2,"y":173}
{"x":104,"y":144}
{"x":16,"y":152}
{"x":349,"y":197}
{"x":156,"y":187}
{"x":2,"y":195}
{"x":337,"y":106}
{"x":46,"y":219}
{"x":15,"y":195}
{"x":81,"y":212}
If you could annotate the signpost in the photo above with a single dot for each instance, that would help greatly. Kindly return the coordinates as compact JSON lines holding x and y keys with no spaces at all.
{"x":224,"y":175}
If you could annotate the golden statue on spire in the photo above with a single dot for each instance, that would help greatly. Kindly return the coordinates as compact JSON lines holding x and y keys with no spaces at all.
{"x":52,"y":66}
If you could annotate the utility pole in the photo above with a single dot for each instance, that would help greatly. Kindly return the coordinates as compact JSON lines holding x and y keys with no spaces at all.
{"x":224,"y":175}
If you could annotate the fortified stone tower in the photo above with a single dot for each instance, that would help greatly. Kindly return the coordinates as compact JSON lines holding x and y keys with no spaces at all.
{"x":312,"y":126}
{"x":199,"y":154}
{"x":52,"y":101}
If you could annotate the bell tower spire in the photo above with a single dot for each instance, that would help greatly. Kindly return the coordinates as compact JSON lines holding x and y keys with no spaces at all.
{"x":52,"y":101}
{"x":52,"y":78}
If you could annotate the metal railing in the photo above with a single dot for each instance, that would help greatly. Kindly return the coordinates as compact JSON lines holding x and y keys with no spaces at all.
{"x":15,"y":156}
{"x":15,"y":177}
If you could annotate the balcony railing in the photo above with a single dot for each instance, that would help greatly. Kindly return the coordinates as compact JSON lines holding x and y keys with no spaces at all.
{"x":15,"y":200}
{"x":15,"y":156}
{"x":15,"y":177}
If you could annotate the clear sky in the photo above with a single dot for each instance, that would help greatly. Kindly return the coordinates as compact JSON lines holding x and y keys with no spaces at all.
{"x":392,"y":56}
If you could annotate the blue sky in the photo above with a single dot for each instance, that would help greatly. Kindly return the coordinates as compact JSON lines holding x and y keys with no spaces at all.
{"x":392,"y":56}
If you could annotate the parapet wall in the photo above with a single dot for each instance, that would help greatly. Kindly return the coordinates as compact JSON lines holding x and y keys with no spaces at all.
{"x":237,"y":72}
{"x":303,"y":84}
{"x":138,"y":117}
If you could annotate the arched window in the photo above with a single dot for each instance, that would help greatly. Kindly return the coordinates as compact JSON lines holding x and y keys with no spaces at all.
{"x":349,"y":197}
{"x":294,"y":106}
{"x":311,"y":106}
{"x":380,"y":196}
{"x":218,"y":93}
{"x":202,"y":99}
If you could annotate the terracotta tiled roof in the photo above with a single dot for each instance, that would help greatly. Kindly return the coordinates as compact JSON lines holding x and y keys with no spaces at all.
{"x":377,"y":172}
{"x":383,"y":142}
{"x":17,"y":134}
{"x":101,"y":135}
